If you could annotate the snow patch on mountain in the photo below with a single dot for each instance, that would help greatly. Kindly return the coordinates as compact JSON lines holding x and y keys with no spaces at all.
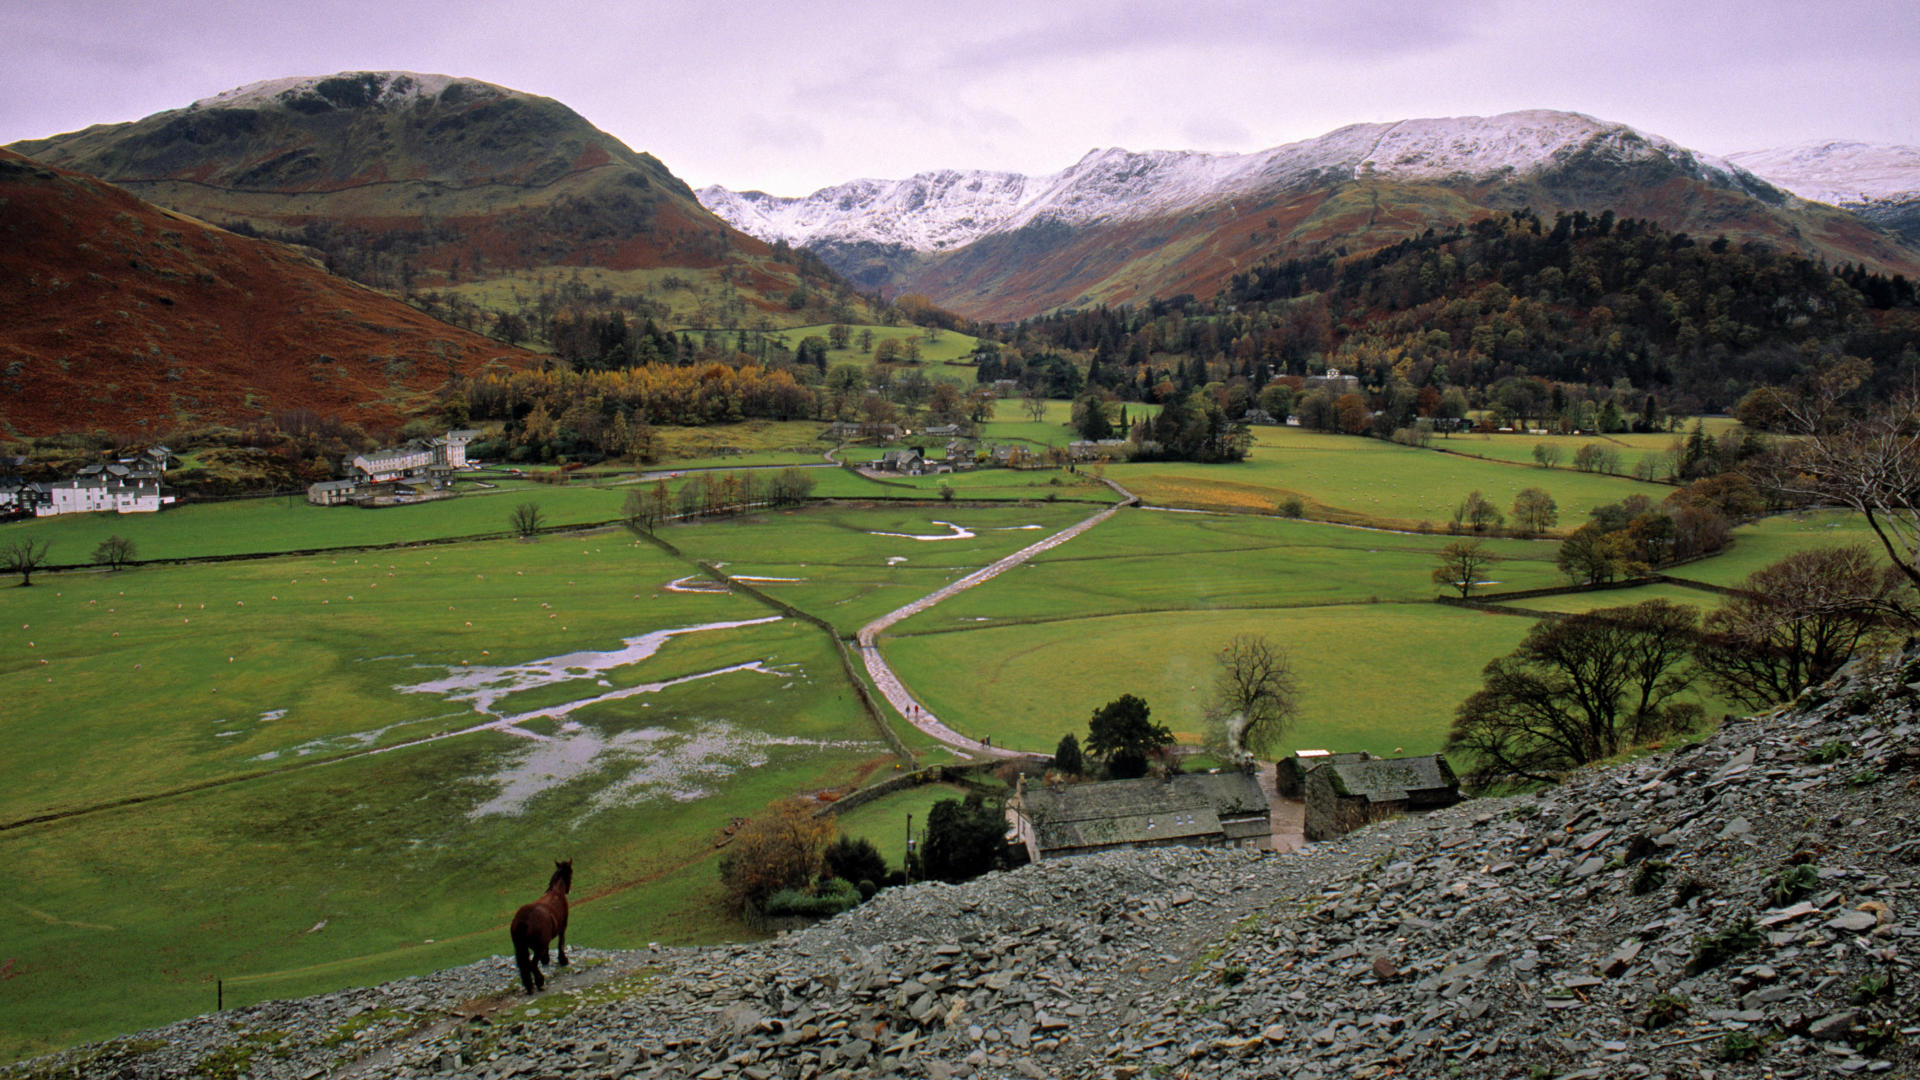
{"x":386,"y":88}
{"x":1845,"y":174}
{"x":939,"y":211}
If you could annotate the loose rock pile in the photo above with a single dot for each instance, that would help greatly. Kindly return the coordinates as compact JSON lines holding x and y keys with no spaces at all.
{"x":1744,"y":907}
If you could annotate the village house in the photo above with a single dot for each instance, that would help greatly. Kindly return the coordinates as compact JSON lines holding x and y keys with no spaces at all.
{"x":427,"y":460}
{"x":86,"y":496}
{"x":1290,"y":773}
{"x":1217,"y":809}
{"x":130,"y":485}
{"x":944,"y":431}
{"x":1334,"y":381}
{"x":1097,"y":449}
{"x":905,"y":462}
{"x":1342,"y":796}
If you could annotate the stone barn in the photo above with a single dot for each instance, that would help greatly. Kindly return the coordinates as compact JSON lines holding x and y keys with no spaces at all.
{"x":1343,"y":796}
{"x":1290,"y":773}
{"x":1219,"y":809}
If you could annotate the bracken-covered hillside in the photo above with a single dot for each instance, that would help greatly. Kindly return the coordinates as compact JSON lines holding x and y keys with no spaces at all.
{"x":117,"y":315}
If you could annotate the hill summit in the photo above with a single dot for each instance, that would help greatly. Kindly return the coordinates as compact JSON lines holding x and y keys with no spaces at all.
{"x":408,"y":181}
{"x":1744,"y":906}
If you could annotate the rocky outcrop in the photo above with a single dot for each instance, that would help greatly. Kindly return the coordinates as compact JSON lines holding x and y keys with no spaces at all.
{"x":1744,"y":907}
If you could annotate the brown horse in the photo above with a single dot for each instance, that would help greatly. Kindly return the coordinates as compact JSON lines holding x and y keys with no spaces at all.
{"x":539,"y":922}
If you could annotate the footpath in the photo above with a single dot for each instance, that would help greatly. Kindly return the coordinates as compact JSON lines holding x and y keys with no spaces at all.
{"x":896,"y":692}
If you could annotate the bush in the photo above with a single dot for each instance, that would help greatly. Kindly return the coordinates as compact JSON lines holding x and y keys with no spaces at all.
{"x":851,"y":859}
{"x":833,"y":897}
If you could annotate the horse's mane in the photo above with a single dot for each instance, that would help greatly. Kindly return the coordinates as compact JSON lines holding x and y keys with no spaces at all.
{"x":562,"y":874}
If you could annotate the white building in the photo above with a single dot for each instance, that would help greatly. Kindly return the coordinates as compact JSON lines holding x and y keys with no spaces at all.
{"x":91,"y":496}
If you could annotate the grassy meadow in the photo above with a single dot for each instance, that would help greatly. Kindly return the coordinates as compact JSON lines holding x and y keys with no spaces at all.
{"x":1366,"y":482}
{"x":353,"y":766}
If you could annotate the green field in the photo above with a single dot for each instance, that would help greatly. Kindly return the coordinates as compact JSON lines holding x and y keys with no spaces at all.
{"x":290,"y":523}
{"x":353,"y":766}
{"x":1373,"y":676}
{"x":1365,"y":481}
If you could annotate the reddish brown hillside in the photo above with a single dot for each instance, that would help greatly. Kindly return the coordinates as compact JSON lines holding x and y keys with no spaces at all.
{"x":121,"y":316}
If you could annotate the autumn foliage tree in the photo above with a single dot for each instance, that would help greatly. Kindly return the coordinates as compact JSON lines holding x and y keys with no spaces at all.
{"x":783,"y":848}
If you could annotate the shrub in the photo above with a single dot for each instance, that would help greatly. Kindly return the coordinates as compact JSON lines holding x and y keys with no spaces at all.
{"x":854,"y":859}
{"x":834,"y":896}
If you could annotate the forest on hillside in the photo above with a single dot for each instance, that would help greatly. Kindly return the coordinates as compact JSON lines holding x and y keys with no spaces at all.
{"x":1522,"y":314}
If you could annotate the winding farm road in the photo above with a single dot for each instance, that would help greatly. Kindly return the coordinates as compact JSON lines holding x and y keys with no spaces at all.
{"x":896,"y":692}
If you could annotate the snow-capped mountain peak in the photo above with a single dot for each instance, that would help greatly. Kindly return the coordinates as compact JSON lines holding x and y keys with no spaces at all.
{"x":1849,"y":174}
{"x":343,"y":90}
{"x":943,"y":210}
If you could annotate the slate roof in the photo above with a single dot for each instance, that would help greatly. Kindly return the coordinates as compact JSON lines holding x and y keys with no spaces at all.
{"x":1390,"y":779}
{"x":1140,"y":811}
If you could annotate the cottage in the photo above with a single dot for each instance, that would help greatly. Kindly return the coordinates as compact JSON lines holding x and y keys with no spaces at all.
{"x":93,"y":494}
{"x":1334,"y":381}
{"x":1219,"y":809}
{"x":1097,"y":449}
{"x":1343,"y":796}
{"x":905,"y":462}
{"x":944,"y":431}
{"x":332,"y":492}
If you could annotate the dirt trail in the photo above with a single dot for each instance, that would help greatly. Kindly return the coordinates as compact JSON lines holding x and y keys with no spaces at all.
{"x":899,"y":696}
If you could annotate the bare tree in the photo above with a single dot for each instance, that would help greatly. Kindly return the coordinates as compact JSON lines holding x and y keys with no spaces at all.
{"x":1461,"y":563}
{"x":114,"y":552}
{"x":1035,"y":397}
{"x":638,"y":511}
{"x":23,"y":557}
{"x":526,"y":520}
{"x":1867,"y":463}
{"x":1255,"y":694}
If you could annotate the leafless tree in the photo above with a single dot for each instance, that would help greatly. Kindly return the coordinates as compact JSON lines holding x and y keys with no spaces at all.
{"x":23,"y":556}
{"x":526,"y":520}
{"x":1867,"y":462}
{"x":1460,"y":565}
{"x":114,"y":552}
{"x":1256,"y":694}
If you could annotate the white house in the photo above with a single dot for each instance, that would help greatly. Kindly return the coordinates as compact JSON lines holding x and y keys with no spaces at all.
{"x":92,"y":495}
{"x":382,"y":466}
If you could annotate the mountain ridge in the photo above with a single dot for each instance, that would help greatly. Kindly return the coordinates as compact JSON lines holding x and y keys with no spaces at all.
{"x":1119,"y":226}
{"x":407,"y":181}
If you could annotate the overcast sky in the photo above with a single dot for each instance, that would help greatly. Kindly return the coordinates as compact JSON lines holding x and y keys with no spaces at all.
{"x":791,"y":96}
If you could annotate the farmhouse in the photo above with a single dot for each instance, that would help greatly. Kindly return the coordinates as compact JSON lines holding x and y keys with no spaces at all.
{"x":432,"y":460}
{"x":1218,"y":809}
{"x":1290,"y":773}
{"x":905,"y":462}
{"x":1334,"y":381}
{"x":130,"y":485}
{"x":1345,"y":795}
{"x":1097,"y":449}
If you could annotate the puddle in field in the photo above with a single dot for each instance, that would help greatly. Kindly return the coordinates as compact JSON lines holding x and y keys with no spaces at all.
{"x":958,"y":533}
{"x":484,"y":686}
{"x":638,"y":766}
